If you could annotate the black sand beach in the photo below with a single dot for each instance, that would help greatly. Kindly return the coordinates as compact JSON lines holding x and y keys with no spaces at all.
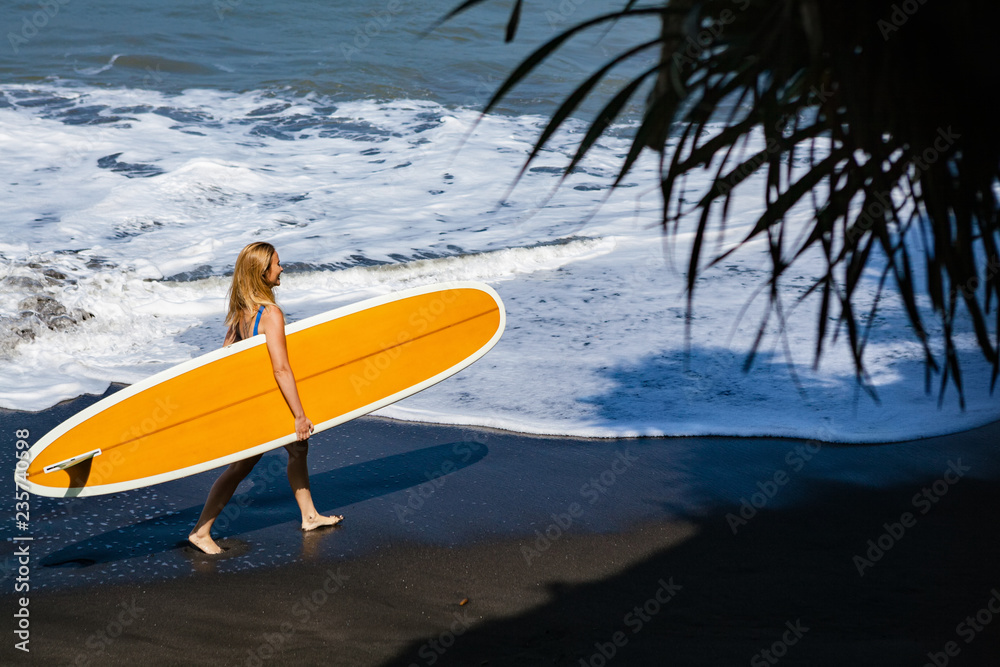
{"x":686,"y":551}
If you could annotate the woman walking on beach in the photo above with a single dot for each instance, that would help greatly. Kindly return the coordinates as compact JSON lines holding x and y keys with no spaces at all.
{"x":252,"y":310}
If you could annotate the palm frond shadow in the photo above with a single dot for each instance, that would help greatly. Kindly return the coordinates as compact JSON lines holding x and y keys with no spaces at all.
{"x":736,"y":594}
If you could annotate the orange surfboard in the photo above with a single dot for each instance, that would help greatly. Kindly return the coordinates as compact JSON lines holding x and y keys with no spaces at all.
{"x":225,"y":405}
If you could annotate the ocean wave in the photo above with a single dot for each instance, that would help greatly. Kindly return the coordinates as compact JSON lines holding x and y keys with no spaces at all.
{"x":158,"y":192}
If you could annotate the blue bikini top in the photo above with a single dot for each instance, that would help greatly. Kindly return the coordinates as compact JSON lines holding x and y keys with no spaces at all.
{"x":260,"y":311}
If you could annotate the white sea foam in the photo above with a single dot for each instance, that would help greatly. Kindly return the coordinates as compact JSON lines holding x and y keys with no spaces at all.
{"x":120,"y":230}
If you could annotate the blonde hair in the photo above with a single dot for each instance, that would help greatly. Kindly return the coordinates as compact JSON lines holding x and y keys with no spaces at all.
{"x":248,"y":290}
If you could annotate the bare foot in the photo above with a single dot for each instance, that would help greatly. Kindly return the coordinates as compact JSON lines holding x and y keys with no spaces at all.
{"x":319,"y":520}
{"x":206,"y":544}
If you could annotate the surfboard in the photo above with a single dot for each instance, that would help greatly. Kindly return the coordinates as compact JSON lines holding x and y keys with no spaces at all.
{"x":225,"y":406}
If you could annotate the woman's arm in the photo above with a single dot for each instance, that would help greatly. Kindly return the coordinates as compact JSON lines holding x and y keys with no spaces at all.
{"x":272,"y":323}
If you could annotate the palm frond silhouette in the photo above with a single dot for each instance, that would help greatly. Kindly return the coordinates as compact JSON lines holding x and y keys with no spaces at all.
{"x":875,"y":113}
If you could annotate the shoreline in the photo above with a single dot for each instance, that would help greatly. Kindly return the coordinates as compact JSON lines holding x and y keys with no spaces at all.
{"x":554,"y":541}
{"x":79,"y":402}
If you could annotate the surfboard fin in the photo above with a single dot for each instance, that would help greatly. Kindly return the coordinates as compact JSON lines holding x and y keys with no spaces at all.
{"x":79,"y":458}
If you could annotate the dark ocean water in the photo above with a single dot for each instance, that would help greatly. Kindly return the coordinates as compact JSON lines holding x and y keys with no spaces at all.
{"x":344,"y":50}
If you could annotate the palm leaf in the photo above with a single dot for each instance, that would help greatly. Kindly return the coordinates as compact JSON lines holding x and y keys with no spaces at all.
{"x":904,"y":108}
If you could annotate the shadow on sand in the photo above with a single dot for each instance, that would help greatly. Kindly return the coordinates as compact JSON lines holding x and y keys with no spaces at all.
{"x":268,"y":503}
{"x":787,"y":582}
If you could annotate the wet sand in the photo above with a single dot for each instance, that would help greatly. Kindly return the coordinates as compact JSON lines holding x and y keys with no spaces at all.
{"x":687,"y":551}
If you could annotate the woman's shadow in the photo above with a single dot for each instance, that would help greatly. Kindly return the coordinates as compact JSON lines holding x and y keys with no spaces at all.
{"x":267,"y":503}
